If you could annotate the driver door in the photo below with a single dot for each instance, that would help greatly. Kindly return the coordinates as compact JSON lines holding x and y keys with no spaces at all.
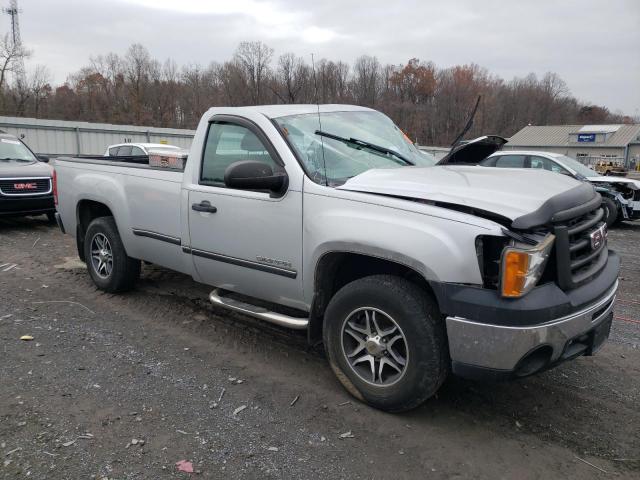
{"x":245,"y":241}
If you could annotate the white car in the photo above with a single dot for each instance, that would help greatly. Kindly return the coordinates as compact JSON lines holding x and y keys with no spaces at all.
{"x":623,"y":193}
{"x":136,"y":149}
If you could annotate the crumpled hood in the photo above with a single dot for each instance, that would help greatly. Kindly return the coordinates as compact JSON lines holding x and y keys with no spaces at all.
{"x":508,"y":192}
{"x":16,"y":169}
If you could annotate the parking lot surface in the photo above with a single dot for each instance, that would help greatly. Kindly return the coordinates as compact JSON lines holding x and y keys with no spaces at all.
{"x":126,"y":386}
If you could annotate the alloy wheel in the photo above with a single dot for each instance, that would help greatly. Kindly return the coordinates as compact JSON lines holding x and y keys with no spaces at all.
{"x":374,"y":346}
{"x":101,"y":255}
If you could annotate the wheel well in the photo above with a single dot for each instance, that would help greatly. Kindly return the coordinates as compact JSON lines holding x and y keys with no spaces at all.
{"x":336,"y":269}
{"x":86,"y":212}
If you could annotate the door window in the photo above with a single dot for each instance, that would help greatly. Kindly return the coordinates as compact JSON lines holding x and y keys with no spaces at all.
{"x":113,"y":151}
{"x":137,"y":151}
{"x":124,"y":151}
{"x":510,"y":161}
{"x":228,"y":143}
{"x":541,"y":162}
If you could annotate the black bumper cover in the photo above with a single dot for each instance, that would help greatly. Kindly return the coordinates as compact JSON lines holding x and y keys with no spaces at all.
{"x":542,"y":304}
{"x":36,"y":205}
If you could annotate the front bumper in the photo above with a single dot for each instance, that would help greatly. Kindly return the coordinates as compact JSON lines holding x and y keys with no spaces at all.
{"x":26,"y":205}
{"x":479,"y":349}
{"x":490,"y":337}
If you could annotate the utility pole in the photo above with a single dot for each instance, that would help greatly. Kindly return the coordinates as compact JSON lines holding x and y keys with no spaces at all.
{"x":19,"y":71}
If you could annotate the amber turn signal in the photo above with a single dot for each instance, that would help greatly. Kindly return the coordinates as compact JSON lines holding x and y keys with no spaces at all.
{"x":516,"y":266}
{"x":523,"y":267}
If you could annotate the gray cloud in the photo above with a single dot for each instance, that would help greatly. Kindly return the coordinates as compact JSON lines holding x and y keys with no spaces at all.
{"x":592,"y":45}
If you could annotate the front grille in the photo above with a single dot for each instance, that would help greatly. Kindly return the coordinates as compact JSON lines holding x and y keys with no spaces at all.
{"x":25,"y":186}
{"x":577,"y":259}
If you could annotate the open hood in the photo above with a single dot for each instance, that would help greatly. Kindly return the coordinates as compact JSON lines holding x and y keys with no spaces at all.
{"x":525,"y":198}
{"x":474,"y":151}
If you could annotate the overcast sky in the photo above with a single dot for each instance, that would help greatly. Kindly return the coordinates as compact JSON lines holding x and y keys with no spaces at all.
{"x":593,"y":44}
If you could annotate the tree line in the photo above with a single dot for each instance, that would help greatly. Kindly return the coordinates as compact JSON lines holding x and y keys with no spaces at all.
{"x":429,"y":103}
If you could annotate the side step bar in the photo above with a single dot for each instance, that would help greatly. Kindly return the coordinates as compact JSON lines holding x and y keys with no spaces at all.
{"x":262,"y":313}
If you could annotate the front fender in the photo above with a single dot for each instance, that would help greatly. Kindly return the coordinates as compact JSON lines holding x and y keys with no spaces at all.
{"x":438,"y":248}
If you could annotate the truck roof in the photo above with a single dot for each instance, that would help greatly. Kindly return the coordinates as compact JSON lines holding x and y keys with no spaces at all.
{"x":528,"y":152}
{"x":145,"y":145}
{"x":275,"y":111}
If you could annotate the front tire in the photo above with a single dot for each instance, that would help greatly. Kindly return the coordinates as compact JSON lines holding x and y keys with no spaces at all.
{"x":110,"y":268}
{"x":386,"y":342}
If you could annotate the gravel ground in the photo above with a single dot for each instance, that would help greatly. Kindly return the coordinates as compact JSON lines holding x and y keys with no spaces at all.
{"x":125,"y":386}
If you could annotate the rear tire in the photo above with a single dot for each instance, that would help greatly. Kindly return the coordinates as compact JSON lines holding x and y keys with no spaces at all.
{"x":610,"y":211}
{"x":110,"y":268}
{"x":394,"y":305}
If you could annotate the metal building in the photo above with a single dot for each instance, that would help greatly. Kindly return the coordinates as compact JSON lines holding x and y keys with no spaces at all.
{"x":587,"y":143}
{"x":60,"y":137}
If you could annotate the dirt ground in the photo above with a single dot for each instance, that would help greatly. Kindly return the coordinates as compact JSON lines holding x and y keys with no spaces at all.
{"x":123,"y":387}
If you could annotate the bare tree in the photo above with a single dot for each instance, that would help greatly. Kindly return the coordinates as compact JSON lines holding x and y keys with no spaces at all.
{"x":292,"y":78}
{"x":138,"y":66}
{"x":366,"y":80}
{"x":9,"y":55}
{"x":253,"y":59}
{"x":39,"y":83}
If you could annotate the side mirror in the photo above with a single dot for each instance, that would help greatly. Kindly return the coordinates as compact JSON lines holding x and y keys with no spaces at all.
{"x":43,"y":158}
{"x":253,"y":175}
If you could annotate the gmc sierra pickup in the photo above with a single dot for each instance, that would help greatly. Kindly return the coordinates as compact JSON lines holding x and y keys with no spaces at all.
{"x":326,"y":218}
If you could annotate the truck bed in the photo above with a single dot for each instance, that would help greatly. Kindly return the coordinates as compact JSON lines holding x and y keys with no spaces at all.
{"x":147,"y":199}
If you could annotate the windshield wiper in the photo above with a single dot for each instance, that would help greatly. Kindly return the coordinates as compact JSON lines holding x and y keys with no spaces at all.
{"x":363,"y":144}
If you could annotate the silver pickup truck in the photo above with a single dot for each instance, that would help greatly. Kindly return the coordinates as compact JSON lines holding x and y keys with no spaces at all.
{"x":327,"y":219}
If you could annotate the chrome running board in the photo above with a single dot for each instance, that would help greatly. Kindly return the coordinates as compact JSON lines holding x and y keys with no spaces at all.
{"x":262,"y":313}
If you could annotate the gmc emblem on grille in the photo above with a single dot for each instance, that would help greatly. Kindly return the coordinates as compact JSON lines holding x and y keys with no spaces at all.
{"x":25,"y":186}
{"x":597,"y":237}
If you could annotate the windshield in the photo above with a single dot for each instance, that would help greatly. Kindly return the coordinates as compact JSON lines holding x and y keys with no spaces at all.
{"x":578,"y":167}
{"x":11,"y":149}
{"x":342,"y":159}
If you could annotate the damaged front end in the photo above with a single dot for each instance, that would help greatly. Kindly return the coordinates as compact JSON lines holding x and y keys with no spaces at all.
{"x":626,"y":193}
{"x":548,"y":292}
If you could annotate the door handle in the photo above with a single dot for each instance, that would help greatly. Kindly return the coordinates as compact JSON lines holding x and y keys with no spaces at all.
{"x":204,"y":206}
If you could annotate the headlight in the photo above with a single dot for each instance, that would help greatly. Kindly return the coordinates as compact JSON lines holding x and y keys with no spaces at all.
{"x":521,"y":268}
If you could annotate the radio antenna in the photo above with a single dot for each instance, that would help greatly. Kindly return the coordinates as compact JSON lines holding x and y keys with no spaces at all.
{"x":315,"y":83}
